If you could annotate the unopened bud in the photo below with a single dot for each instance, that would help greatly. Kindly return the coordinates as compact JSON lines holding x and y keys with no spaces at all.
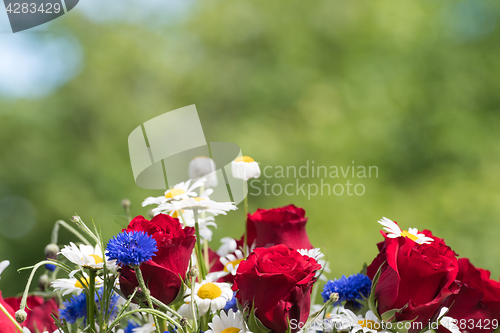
{"x":183,"y":322}
{"x":151,"y":214}
{"x":76,"y":219}
{"x":51,"y":251}
{"x":334,"y":297}
{"x":192,"y":272}
{"x":140,"y":296}
{"x":21,"y":316}
{"x":126,"y":204}
{"x":43,"y":282}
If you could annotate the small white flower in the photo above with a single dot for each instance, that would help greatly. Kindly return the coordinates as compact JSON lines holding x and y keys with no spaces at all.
{"x":448,"y":322}
{"x":72,"y":284}
{"x":346,"y":320}
{"x":86,"y":256}
{"x":230,"y":262}
{"x":317,"y":255}
{"x":244,"y":167}
{"x":199,"y":204}
{"x":208,"y":296}
{"x":203,"y":166}
{"x":228,"y":323}
{"x":394,"y":231}
{"x":146,"y":328}
{"x":187,"y":220}
{"x":3,"y":265}
{"x":228,"y":246}
{"x":180,"y":191}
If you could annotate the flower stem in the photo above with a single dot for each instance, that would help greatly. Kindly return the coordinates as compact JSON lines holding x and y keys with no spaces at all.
{"x":4,"y":310}
{"x":91,"y":300}
{"x":201,"y":261}
{"x":140,"y":279}
{"x":245,"y":247}
{"x":55,"y":232}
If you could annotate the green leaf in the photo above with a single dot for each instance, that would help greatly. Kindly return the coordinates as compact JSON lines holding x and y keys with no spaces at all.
{"x":364,"y":270}
{"x":254,"y":324}
{"x":372,"y":303}
{"x":180,"y":295}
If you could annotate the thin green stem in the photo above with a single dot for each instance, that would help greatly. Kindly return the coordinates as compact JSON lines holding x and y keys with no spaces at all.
{"x":154,"y":313}
{"x":245,"y":247}
{"x":91,"y":300}
{"x":140,"y":279}
{"x":30,"y":279}
{"x":4,"y":310}
{"x":201,"y":261}
{"x":55,"y":232}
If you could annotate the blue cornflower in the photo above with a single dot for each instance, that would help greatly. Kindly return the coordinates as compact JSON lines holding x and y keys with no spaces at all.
{"x":351,"y":288}
{"x":130,"y":326}
{"x":131,"y":248}
{"x":74,"y":308}
{"x":113,"y":309}
{"x":231,"y":304}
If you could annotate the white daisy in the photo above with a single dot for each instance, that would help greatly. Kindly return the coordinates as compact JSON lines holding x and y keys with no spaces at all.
{"x":3,"y":265}
{"x":208,"y":296}
{"x":180,"y":191}
{"x":394,"y":231}
{"x":228,"y":323}
{"x":345,"y":320}
{"x":187,"y":219}
{"x":146,"y":328}
{"x":230,"y":262}
{"x":229,"y":245}
{"x":72,"y":284}
{"x":244,"y":167}
{"x":448,"y":322}
{"x":86,"y":256}
{"x":203,"y":166}
{"x":199,"y":204}
{"x":317,"y":255}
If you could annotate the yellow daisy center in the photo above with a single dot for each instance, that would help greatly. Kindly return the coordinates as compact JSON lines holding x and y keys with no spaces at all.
{"x":370,"y":324}
{"x":175,"y":213}
{"x":198,"y":199}
{"x":174,"y":192}
{"x":231,"y":330}
{"x":405,"y":233}
{"x":79,"y":285}
{"x":98,"y":260}
{"x":209,"y":291}
{"x":246,"y":159}
{"x":234,"y":263}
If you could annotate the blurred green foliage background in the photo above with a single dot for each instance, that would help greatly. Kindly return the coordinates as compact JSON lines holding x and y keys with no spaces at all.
{"x":411,"y":87}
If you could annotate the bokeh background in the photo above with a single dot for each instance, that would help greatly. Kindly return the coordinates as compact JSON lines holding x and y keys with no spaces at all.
{"x":411,"y":87}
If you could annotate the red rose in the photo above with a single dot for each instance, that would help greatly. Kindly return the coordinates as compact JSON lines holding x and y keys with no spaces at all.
{"x":285,"y":225}
{"x":277,"y":281}
{"x":478,"y":301}
{"x":161,"y":274}
{"x":417,"y":278}
{"x":39,"y":311}
{"x":6,"y":324}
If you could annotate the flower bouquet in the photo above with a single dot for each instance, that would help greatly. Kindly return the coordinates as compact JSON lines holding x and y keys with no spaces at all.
{"x":160,"y":275}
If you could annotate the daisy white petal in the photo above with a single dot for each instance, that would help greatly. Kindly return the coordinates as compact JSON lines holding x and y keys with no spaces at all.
{"x":3,"y":265}
{"x":228,"y":323}
{"x":244,"y":167}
